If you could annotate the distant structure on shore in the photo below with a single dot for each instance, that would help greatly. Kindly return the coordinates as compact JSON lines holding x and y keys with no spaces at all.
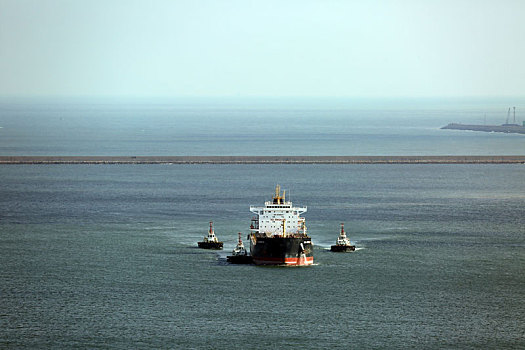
{"x":508,"y":127}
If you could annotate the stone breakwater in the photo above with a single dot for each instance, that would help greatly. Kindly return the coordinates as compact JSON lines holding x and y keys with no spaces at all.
{"x":262,"y":159}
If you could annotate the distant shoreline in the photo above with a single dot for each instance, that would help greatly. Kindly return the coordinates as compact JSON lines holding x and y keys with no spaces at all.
{"x":505,"y":128}
{"x":262,"y":159}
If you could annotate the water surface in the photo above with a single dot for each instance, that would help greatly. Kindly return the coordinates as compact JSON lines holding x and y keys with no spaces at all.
{"x":104,"y":256}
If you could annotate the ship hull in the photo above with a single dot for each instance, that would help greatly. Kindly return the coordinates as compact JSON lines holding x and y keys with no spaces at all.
{"x":239,"y":259}
{"x":291,"y":251}
{"x":342,"y":248}
{"x":210,"y":245}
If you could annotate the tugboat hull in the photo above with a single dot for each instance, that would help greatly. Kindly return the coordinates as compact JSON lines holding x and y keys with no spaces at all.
{"x":294,"y":251}
{"x":210,"y":245}
{"x":239,"y":259}
{"x":342,"y":248}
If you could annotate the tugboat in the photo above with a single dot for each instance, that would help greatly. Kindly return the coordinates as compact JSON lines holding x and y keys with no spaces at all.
{"x":210,"y":241}
{"x":278,"y":234}
{"x":343,"y":243}
{"x":239,"y":254}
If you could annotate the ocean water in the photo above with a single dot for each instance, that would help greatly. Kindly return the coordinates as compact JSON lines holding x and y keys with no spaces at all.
{"x":105,"y":256}
{"x":141,"y":127}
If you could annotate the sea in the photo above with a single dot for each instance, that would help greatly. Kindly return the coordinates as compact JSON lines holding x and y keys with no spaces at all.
{"x":105,"y":256}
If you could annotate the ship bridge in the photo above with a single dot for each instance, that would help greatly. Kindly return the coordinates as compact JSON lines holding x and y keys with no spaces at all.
{"x":278,"y":216}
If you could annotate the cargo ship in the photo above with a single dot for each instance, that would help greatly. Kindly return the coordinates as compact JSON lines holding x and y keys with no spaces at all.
{"x":278,"y":233}
{"x":210,"y":241}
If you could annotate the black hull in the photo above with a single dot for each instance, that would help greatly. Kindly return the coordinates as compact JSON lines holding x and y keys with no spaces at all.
{"x":210,"y":245}
{"x":281,"y":250}
{"x":342,"y":248}
{"x":239,"y":259}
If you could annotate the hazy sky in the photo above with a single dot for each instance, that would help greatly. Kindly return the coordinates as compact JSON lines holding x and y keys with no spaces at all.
{"x":262,"y":48}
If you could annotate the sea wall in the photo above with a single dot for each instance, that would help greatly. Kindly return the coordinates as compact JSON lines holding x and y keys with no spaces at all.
{"x":261,"y":159}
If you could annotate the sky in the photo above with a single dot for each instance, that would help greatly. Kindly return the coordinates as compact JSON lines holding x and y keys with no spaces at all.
{"x":388,"y":48}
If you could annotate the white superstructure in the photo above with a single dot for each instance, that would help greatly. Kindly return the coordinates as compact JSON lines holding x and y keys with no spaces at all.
{"x":278,"y":217}
{"x":211,"y":238}
{"x":342,"y":239}
{"x":239,"y":248}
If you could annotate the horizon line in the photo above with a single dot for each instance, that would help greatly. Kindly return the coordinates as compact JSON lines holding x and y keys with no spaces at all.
{"x":240,"y":97}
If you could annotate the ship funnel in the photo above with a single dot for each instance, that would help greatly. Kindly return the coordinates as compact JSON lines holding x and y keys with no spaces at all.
{"x":278,"y":199}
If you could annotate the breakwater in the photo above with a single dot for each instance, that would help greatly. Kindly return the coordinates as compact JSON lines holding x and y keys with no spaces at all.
{"x":261,"y":159}
{"x":508,"y":129}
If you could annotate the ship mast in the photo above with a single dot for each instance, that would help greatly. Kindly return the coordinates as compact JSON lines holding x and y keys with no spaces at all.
{"x":240,"y":244}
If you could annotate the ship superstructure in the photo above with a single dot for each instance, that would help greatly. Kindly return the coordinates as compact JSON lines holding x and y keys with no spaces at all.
{"x":278,"y":233}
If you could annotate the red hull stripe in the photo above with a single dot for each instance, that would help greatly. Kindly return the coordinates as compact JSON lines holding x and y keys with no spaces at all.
{"x":285,"y":261}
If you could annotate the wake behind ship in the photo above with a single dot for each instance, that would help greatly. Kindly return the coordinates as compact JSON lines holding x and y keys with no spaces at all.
{"x":278,"y":233}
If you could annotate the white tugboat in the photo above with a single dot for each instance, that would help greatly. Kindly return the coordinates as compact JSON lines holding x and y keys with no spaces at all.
{"x":343,"y":243}
{"x":210,"y":241}
{"x":278,"y":233}
{"x":239,"y":254}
